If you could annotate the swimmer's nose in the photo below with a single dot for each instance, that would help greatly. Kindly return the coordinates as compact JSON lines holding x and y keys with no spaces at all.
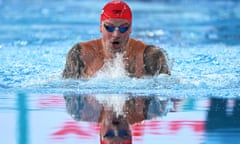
{"x":116,"y":33}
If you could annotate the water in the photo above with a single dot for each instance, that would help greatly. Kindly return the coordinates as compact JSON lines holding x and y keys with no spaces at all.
{"x":203,"y":45}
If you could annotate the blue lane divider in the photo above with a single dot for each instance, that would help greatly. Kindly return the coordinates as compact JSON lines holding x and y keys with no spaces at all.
{"x":22,"y":119}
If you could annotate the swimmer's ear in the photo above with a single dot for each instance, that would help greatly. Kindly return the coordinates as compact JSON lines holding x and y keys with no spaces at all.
{"x":101,"y":28}
{"x":130,"y":29}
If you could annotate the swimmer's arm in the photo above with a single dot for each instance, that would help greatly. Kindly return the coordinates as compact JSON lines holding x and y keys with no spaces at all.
{"x":74,"y":67}
{"x":155,"y":61}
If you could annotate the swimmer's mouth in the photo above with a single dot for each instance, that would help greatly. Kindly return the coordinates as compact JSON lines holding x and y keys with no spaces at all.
{"x":115,"y":122}
{"x":116,"y":46}
{"x":116,"y":42}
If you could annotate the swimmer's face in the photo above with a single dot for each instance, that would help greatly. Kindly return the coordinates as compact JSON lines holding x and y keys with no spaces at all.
{"x":115,"y":34}
{"x":115,"y":129}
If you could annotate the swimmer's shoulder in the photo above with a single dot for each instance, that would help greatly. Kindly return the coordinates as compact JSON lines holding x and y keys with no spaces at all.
{"x":86,"y":45}
{"x":155,"y":60}
{"x":135,"y":43}
{"x":92,"y":45}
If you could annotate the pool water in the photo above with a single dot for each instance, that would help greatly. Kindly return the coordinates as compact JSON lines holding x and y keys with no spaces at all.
{"x":203,"y":45}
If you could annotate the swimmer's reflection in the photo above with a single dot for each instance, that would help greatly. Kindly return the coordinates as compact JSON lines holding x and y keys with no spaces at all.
{"x":114,"y":113}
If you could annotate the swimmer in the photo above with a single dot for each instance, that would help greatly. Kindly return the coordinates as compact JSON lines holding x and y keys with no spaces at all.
{"x":85,"y":59}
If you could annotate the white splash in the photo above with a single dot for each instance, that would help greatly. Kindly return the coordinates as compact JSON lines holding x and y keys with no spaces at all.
{"x":113,"y":68}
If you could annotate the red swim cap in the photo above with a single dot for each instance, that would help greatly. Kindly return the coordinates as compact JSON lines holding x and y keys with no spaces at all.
{"x":116,"y":9}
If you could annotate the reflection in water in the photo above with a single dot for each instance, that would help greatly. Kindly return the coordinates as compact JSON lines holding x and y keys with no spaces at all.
{"x":223,"y":114}
{"x":22,"y":118}
{"x":223,"y":121}
{"x":199,"y":120}
{"x":114,"y":122}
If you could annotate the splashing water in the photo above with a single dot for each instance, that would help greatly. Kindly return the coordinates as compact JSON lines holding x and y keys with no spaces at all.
{"x":113,"y":68}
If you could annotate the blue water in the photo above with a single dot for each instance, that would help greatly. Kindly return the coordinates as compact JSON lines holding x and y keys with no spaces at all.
{"x":202,"y":41}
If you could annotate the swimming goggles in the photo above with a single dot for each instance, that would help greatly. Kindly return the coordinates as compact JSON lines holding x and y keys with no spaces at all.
{"x":111,"y":134}
{"x":112,"y":28}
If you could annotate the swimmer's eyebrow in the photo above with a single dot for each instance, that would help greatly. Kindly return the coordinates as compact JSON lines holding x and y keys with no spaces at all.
{"x":125,"y":25}
{"x":122,"y":25}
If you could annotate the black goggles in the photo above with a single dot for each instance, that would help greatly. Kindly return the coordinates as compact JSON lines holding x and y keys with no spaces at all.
{"x":111,"y":134}
{"x":112,"y":28}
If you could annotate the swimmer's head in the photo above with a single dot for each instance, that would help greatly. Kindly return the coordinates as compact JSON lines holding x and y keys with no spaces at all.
{"x":116,"y":9}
